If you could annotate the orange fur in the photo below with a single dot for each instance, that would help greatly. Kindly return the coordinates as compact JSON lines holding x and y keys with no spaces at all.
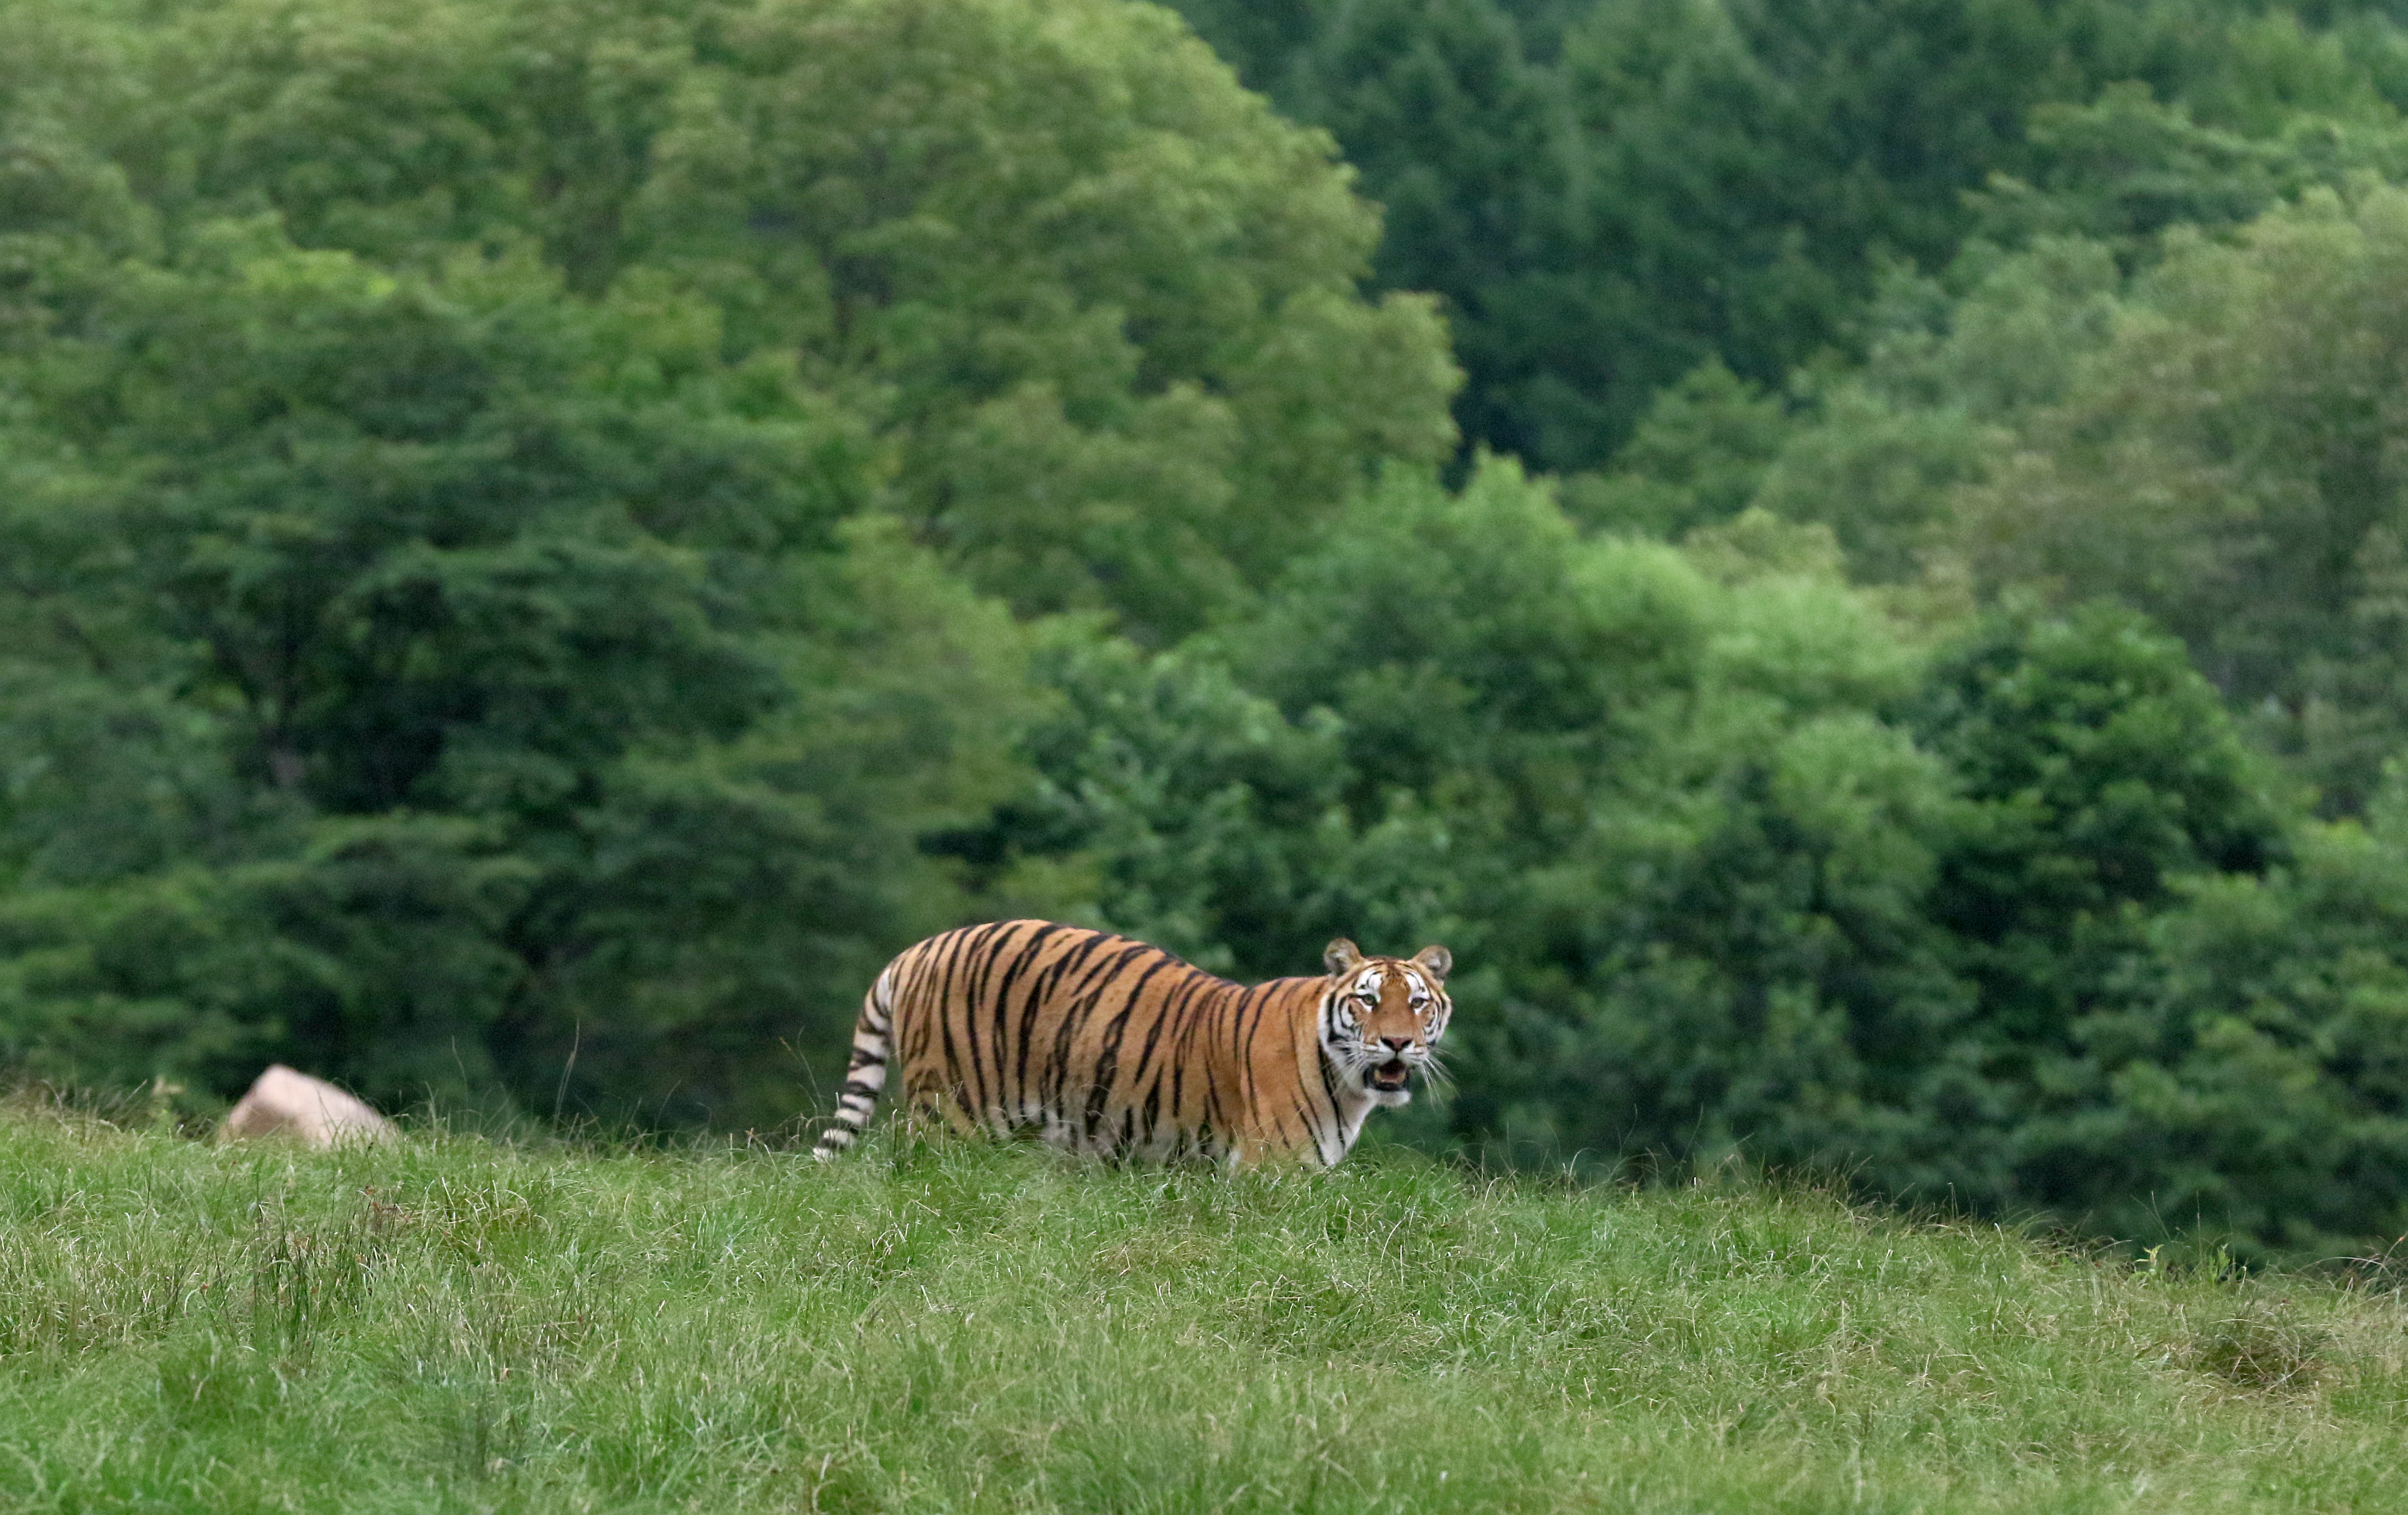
{"x":1105,"y":1045}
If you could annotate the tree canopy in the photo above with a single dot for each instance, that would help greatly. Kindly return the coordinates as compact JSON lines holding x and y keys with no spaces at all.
{"x":1609,"y":195}
{"x":540,"y":543}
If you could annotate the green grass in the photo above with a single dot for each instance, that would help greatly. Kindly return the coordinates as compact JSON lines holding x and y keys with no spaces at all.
{"x":450,"y":1324}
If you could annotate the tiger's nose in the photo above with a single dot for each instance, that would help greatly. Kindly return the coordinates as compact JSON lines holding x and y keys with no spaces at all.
{"x":1397,"y":1044}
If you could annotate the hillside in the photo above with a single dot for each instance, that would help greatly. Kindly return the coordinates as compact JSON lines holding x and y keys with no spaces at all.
{"x":450,"y":1323}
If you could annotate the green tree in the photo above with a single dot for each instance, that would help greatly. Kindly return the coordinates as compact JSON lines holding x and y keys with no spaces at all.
{"x":2098,"y":774}
{"x":484,"y":659}
{"x":1657,"y":814}
{"x":1695,"y":459}
{"x":2249,"y":1082}
{"x":1609,"y":195}
{"x":485,"y":493}
{"x":2226,"y":464}
{"x":1879,"y":452}
{"x":1101,"y":302}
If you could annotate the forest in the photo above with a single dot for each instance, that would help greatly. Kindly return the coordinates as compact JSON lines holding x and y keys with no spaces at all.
{"x":1849,"y":557}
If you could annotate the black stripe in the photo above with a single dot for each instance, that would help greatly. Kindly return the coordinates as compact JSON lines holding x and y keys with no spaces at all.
{"x":1337,"y":1118}
{"x":1038,"y":999}
{"x":1075,"y":1012}
{"x":1183,"y":1009}
{"x":1212,"y":1113}
{"x":1173,"y":1007}
{"x":909,"y":1038}
{"x":1178,"y":1084}
{"x":974,"y":984}
{"x":1017,"y":1089}
{"x":1005,"y":955}
{"x":1246,"y":1042}
{"x":961,"y":1005}
{"x":954,"y":942}
{"x":1217,"y":1111}
{"x":1185,"y":1053}
{"x":1107,"y":1057}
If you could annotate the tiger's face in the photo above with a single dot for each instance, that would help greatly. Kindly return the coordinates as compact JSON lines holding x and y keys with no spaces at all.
{"x":1383,"y":1017}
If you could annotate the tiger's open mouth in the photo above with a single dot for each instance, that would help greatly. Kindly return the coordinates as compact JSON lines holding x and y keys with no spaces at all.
{"x":1391,"y":1076}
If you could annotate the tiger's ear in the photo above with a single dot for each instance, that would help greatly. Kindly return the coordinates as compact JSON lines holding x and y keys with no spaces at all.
{"x":1435,"y":961}
{"x":1342,"y":956}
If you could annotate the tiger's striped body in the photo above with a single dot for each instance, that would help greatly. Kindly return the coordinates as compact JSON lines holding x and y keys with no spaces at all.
{"x":1105,"y":1045}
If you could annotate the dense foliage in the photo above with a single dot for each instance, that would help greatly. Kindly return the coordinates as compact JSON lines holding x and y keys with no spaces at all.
{"x":1610,"y":193}
{"x":538,"y":543}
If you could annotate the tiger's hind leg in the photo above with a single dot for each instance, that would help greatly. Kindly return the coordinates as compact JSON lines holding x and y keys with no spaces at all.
{"x":865,"y":1076}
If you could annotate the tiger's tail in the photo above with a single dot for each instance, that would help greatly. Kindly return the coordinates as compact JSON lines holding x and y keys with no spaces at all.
{"x":873,"y":1043}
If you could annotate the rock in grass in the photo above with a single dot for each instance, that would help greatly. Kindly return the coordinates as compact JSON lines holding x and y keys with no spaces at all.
{"x":282,"y":1101}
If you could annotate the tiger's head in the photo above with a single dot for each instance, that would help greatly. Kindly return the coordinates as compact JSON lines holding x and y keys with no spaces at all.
{"x":1383,"y":1017}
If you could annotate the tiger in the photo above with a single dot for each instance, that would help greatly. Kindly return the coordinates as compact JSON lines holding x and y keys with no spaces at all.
{"x":1109,"y":1046}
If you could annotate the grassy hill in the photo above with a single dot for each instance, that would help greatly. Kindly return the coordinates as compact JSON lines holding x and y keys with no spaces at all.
{"x":450,"y":1323}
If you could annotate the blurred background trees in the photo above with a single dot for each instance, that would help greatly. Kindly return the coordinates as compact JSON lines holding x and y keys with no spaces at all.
{"x":1844,"y":556}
